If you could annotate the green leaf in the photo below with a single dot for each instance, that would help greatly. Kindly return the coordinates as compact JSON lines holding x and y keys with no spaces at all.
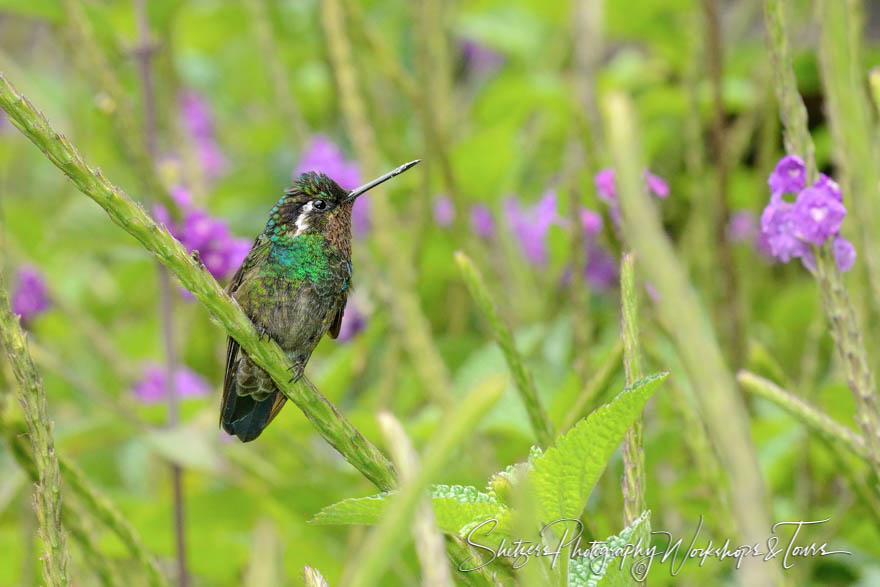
{"x":565,"y":475}
{"x":586,"y":572}
{"x":456,"y":507}
{"x":200,"y":452}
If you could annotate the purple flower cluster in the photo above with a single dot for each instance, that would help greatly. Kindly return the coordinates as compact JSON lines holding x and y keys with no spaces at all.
{"x":606,"y":189}
{"x":324,"y":156}
{"x":151,"y":387}
{"x":218,"y":249}
{"x":530,"y":225}
{"x":196,"y":118}
{"x":813,"y":218}
{"x":31,"y":296}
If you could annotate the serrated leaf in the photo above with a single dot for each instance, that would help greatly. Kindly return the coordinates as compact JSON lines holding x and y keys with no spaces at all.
{"x":608,"y":572}
{"x":564,"y":476}
{"x":456,"y":508}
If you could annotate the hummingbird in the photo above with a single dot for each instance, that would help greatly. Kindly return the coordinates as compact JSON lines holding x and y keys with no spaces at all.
{"x":293,"y":286}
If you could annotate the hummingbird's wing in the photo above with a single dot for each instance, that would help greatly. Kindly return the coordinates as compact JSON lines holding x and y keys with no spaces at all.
{"x":333,"y":332}
{"x":232,"y":347}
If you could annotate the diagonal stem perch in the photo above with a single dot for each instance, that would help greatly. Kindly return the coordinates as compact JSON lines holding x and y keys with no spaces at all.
{"x":522,"y":377}
{"x":332,"y":425}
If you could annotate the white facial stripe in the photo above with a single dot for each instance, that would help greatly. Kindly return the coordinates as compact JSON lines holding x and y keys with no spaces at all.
{"x":301,"y":224}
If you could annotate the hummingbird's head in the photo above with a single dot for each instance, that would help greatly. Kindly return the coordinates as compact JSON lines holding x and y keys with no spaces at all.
{"x":315,"y":204}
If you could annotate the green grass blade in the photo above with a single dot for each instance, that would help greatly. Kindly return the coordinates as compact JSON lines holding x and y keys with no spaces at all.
{"x":522,"y":377}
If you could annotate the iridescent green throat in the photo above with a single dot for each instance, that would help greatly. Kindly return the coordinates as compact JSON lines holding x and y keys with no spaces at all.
{"x":301,"y":257}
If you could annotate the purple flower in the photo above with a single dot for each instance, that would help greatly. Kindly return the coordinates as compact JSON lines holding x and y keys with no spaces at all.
{"x":482,"y":222}
{"x":815,"y":216}
{"x":818,"y":215}
{"x":778,"y":225}
{"x":151,"y":387}
{"x":606,"y":189}
{"x":325,"y":156}
{"x":353,"y":322}
{"x":656,"y":184}
{"x":844,"y":253}
{"x":591,"y":221}
{"x":31,"y":296}
{"x":826,"y":183}
{"x":196,"y":118}
{"x":479,"y":58}
{"x":444,"y":211}
{"x":601,"y":270}
{"x":530,"y":225}
{"x":218,"y":249}
{"x":743,"y":227}
{"x":789,"y":176}
{"x":606,"y":186}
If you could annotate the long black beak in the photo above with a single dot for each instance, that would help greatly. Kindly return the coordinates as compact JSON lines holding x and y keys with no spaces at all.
{"x":368,"y":186}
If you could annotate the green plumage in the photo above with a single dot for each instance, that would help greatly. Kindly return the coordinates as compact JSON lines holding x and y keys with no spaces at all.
{"x":293,"y":285}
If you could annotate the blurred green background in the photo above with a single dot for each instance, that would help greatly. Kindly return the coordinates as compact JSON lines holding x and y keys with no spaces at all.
{"x":500,"y":99}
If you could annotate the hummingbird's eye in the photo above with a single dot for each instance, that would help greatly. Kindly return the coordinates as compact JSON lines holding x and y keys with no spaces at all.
{"x":319,"y":204}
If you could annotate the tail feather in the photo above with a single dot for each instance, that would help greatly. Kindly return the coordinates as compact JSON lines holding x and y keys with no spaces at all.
{"x":242,"y":414}
{"x":245,"y":417}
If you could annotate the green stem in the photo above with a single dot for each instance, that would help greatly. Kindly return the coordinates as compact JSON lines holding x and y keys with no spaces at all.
{"x":845,"y":330}
{"x":682,"y":313}
{"x":791,"y":105}
{"x":633,"y":482}
{"x":382,"y":543}
{"x":101,"y":564}
{"x":848,"y":339}
{"x":47,"y":491}
{"x":522,"y":376}
{"x":385,"y":57}
{"x":429,"y":542}
{"x":407,"y":314}
{"x":594,"y":386}
{"x":131,"y":217}
{"x":94,"y":502}
{"x":278,"y":78}
{"x":97,"y":69}
{"x":853,"y":131}
{"x":105,"y":511}
{"x":809,"y":415}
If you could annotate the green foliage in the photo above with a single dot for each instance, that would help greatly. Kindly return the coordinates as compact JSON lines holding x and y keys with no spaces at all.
{"x":613,"y":571}
{"x":455,"y":508}
{"x":272,"y":78}
{"x":564,"y":476}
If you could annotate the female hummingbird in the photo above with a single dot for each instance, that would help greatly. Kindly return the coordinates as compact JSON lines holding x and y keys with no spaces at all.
{"x":293,"y":285}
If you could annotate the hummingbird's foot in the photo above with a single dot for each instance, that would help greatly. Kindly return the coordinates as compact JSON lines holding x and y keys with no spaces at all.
{"x":197,"y":258}
{"x":263,"y":332}
{"x":297,"y":371}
